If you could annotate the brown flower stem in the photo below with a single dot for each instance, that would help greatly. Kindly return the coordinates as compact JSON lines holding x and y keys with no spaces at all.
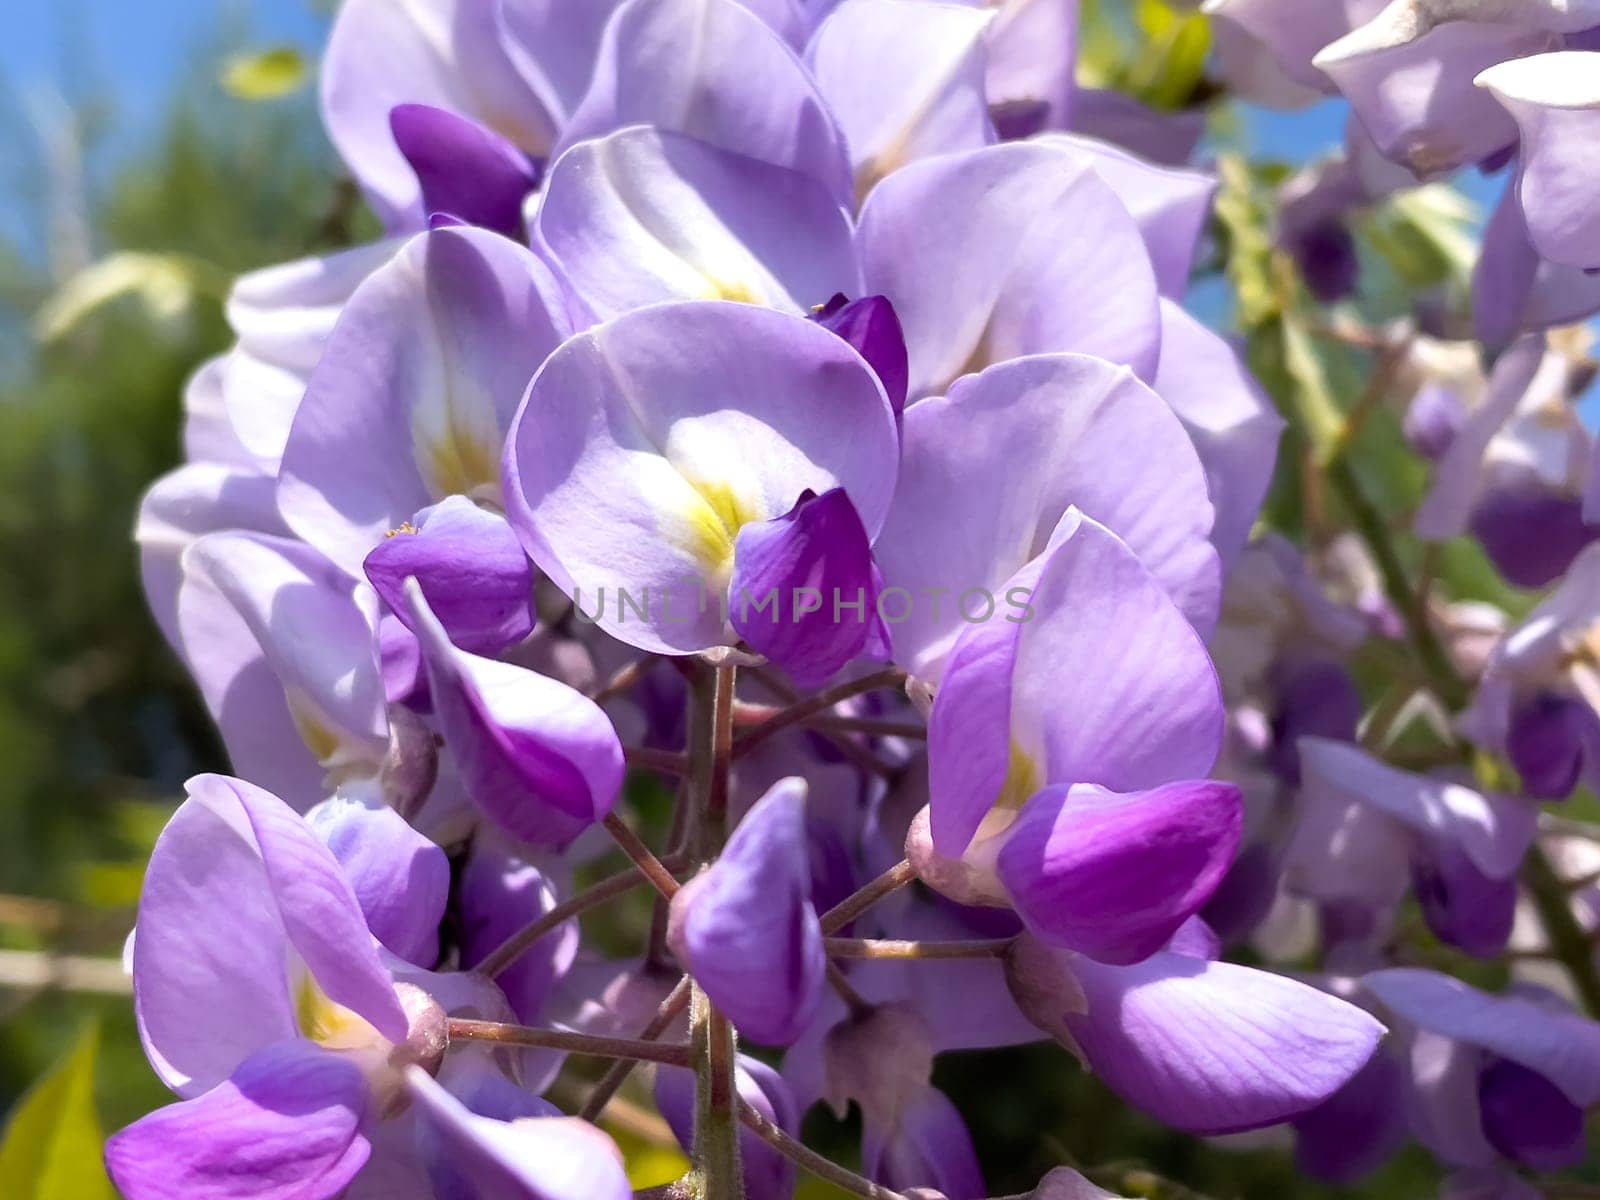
{"x":617,"y":1073}
{"x":573,"y":1043}
{"x":820,"y":703}
{"x":625,"y":678}
{"x":609,"y":888}
{"x":643,"y":857}
{"x":808,"y":1159}
{"x":664,"y":761}
{"x":858,"y":902}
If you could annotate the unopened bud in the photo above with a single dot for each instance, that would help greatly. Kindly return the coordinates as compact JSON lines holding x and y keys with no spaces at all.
{"x":880,"y":1059}
{"x":427,"y":1031}
{"x":1045,"y":989}
{"x":412,"y":764}
{"x":970,"y":879}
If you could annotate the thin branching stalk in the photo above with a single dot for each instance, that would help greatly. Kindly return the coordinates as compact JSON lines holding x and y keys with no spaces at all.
{"x":671,"y":1054}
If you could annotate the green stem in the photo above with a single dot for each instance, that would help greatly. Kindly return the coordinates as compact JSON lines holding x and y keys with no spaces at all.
{"x":1568,"y":942}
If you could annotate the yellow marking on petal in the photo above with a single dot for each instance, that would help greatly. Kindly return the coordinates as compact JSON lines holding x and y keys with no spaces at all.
{"x":1023,"y":779}
{"x":736,"y":290}
{"x":329,"y":1023}
{"x":715,"y":515}
{"x":318,"y":733}
{"x":456,"y":462}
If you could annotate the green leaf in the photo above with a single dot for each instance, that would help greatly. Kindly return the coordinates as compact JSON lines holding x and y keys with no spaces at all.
{"x":166,"y":284}
{"x":266,"y":74}
{"x":53,"y":1144}
{"x":1171,"y":60}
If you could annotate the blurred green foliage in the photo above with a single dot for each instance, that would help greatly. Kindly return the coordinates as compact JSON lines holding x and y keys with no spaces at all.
{"x":111,"y":296}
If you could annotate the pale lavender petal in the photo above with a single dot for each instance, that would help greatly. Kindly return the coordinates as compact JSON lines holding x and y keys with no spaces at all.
{"x":1009,"y":250}
{"x":1211,"y":1047}
{"x":556,"y":43}
{"x":647,"y":443}
{"x":1115,"y":876}
{"x":1169,"y":138}
{"x":646,"y":215}
{"x":537,"y":757}
{"x":413,"y":395}
{"x":400,"y":879}
{"x":1555,"y":100}
{"x":1032,"y":48}
{"x":472,"y":571}
{"x":1418,"y":102}
{"x":742,"y":89}
{"x":321,"y":916}
{"x":450,"y":55}
{"x":464,"y":169}
{"x":283,"y":315}
{"x":1563,"y":1047}
{"x":283,"y":647}
{"x":1233,"y":423}
{"x":1296,"y":33}
{"x":182,"y":506}
{"x":988,"y":471}
{"x":208,"y":434}
{"x":532,"y":1158}
{"x":746,"y":928}
{"x":905,"y":80}
{"x":289,"y":1125}
{"x":208,"y":992}
{"x":1493,"y":830}
{"x":1147,"y":708}
{"x":1170,"y":205}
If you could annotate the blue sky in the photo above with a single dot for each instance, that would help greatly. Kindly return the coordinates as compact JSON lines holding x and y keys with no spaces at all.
{"x":134,"y":50}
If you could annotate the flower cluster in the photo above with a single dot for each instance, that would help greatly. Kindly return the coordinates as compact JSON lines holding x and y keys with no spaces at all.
{"x":792,"y":401}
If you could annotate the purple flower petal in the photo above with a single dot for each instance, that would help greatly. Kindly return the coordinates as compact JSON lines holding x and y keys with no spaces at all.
{"x":1233,"y":423}
{"x":1010,"y":250}
{"x":1531,"y":533}
{"x":1358,"y":1128}
{"x":1171,"y":205}
{"x":1563,"y":1047}
{"x":645,"y":215}
{"x":1146,"y":708}
{"x":1546,"y":743}
{"x":1527,"y":1118}
{"x":746,"y":929}
{"x":905,"y":81}
{"x":1556,"y":103}
{"x":816,"y":553}
{"x":283,"y":648}
{"x":1213,"y":1048}
{"x":533,"y":1158}
{"x":400,"y":879}
{"x":288,"y":1125}
{"x":928,"y":1146}
{"x":538,"y":758}
{"x":641,"y":487}
{"x":742,"y":89}
{"x":453,"y":56}
{"x":464,"y":169}
{"x":500,"y":892}
{"x":472,"y":571}
{"x":988,"y":471}
{"x":873,"y":331}
{"x":412,"y":397}
{"x":1115,"y":876}
{"x":1418,"y":101}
